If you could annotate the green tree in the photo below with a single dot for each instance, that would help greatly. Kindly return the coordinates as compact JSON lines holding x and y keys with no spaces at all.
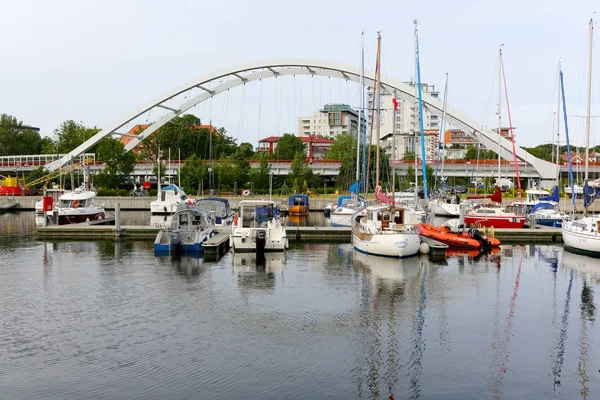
{"x":409,"y":156}
{"x":287,"y":147}
{"x":300,"y":171}
{"x":71,"y":134}
{"x":260,"y":175}
{"x":344,"y":148}
{"x":193,"y":173}
{"x":19,"y":139}
{"x":118,"y":163}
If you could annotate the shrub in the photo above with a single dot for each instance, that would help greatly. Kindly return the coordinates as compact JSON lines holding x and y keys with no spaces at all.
{"x":111,"y":192}
{"x":122,"y":192}
{"x":153,"y":193}
{"x":102,"y":192}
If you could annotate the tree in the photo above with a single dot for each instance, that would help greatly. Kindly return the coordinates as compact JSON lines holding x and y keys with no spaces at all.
{"x":193,"y":172}
{"x":18,"y":139}
{"x":260,"y":175}
{"x":70,"y":135}
{"x":409,"y":156}
{"x":300,"y":171}
{"x":118,"y":163}
{"x":288,"y":146}
{"x":344,"y":148}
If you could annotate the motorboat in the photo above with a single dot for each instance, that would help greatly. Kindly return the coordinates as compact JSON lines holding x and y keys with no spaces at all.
{"x":577,"y":189}
{"x":168,"y":200}
{"x":258,"y":228}
{"x":346,"y":207}
{"x":217,"y":206}
{"x":189,"y":229}
{"x":546,"y":214}
{"x":298,"y":204}
{"x":383,"y":231}
{"x":492,"y":215}
{"x":469,"y":239}
{"x":76,"y":206}
{"x":581,"y":235}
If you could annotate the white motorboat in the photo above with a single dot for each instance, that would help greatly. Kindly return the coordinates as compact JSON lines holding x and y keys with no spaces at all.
{"x":577,"y":189}
{"x":168,"y":200}
{"x":77,"y":206}
{"x":189,"y":229}
{"x":581,"y":236}
{"x":546,"y":214}
{"x":258,"y":228}
{"x":54,"y":192}
{"x":384,"y":231}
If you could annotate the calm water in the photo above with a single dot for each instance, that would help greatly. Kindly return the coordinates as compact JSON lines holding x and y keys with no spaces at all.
{"x":108,"y":320}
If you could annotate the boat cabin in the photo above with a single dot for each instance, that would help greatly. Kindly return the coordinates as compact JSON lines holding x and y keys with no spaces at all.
{"x":171,"y":192}
{"x":76,"y":199}
{"x":387,"y":218}
{"x":217,"y":205}
{"x":256,"y":213}
{"x":190,"y":219}
{"x":533,"y":195}
{"x":300,"y":200}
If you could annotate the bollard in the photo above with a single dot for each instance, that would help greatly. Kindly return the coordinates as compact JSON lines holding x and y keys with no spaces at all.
{"x":118,"y":218}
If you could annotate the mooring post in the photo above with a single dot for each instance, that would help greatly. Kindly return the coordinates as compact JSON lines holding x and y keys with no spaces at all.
{"x":118,"y":219}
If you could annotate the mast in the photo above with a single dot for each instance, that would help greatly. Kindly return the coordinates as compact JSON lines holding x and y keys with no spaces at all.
{"x":564,"y":102}
{"x":423,"y":158}
{"x":359,"y":133}
{"x":363,"y":130}
{"x":378,"y":99}
{"x":441,"y":135}
{"x":179,"y":171}
{"x":394,"y":151}
{"x":499,"y":109}
{"x":558,"y":131}
{"x":589,"y":101}
{"x":158,"y":179}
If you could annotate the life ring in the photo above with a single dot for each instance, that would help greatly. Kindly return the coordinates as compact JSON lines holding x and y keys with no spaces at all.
{"x":75,"y":204}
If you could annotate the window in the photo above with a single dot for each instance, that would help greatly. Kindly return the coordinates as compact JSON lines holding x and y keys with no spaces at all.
{"x":183,"y":220}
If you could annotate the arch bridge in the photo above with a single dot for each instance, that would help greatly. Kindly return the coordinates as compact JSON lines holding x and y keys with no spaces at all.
{"x":219,"y":81}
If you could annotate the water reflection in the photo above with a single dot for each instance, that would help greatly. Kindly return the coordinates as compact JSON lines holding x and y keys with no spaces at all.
{"x":185,"y":265}
{"x":588,"y":268}
{"x":258,"y":271}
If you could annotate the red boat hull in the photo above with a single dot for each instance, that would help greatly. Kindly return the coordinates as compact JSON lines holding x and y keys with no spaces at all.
{"x":75,"y":219}
{"x":496,"y":222}
{"x":13,"y":191}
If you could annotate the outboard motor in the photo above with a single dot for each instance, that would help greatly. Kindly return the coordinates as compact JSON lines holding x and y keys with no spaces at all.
{"x":477,"y":235}
{"x":176,"y":241}
{"x":261,"y":241}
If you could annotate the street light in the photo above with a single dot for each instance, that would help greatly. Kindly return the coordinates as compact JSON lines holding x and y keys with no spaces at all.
{"x":270,"y":185}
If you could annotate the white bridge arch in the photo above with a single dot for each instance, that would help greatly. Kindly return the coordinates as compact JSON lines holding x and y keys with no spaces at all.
{"x":219,"y":81}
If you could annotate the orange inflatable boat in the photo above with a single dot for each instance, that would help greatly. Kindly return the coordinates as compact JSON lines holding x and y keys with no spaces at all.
{"x":471,"y":239}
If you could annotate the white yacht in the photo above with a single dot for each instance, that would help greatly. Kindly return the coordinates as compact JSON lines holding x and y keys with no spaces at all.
{"x":342,"y":214}
{"x":384,"y":231}
{"x":168,"y":200}
{"x":444,"y":207}
{"x":189,"y":229}
{"x":77,"y":206}
{"x":581,"y":235}
{"x":258,"y":228}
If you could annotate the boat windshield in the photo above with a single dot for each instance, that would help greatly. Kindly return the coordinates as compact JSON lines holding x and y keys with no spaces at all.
{"x":255,"y":215}
{"x":208,"y":206}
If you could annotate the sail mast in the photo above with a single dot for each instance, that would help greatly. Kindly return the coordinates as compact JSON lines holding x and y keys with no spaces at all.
{"x":441,"y":139}
{"x":558,"y":131}
{"x":423,"y":157}
{"x":362,"y":113}
{"x":499,"y":110}
{"x":564,"y":102}
{"x":589,"y":101}
{"x":393,"y":160}
{"x":358,"y":134}
{"x":378,"y":99}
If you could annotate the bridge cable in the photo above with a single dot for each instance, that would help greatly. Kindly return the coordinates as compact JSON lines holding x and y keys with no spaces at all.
{"x":295,"y":108}
{"x":259,"y":108}
{"x":241,"y":119}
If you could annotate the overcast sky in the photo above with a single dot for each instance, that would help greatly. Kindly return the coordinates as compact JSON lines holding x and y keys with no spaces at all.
{"x":98,"y":61}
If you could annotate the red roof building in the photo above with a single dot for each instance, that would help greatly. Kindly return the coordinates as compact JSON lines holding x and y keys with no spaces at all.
{"x":315,"y":146}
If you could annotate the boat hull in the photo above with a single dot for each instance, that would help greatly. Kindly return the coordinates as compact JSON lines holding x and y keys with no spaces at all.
{"x":584,"y":243}
{"x":397,"y":245}
{"x":244,"y":240}
{"x":552,"y":222}
{"x":191,"y":241}
{"x":496,"y":222}
{"x":298,"y":210}
{"x":445,"y":209}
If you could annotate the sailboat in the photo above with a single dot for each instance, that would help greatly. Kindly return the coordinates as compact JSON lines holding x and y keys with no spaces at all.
{"x":581,"y":236}
{"x":342,"y":214}
{"x":441,"y":205}
{"x":384,"y":230}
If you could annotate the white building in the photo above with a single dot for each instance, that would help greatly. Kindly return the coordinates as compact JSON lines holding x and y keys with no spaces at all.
{"x":405,"y":124}
{"x":332,"y":120}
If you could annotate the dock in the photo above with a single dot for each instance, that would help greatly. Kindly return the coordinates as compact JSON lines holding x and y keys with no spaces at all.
{"x":215,"y":247}
{"x":295,"y":233}
{"x":6,"y":203}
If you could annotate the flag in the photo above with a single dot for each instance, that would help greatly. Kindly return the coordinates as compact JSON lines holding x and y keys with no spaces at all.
{"x":395,"y":103}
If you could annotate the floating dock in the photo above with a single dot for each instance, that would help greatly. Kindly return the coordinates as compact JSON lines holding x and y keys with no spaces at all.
{"x":295,"y":233}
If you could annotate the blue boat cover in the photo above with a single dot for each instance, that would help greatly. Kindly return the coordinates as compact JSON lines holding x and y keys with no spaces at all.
{"x":553,"y":197}
{"x":172,"y":187}
{"x":542,"y":206}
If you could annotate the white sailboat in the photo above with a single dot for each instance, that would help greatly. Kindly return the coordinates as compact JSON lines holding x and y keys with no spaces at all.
{"x":383,"y":230}
{"x":581,"y":236}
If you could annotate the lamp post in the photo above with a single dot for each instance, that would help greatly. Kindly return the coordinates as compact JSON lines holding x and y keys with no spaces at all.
{"x":271,"y":185}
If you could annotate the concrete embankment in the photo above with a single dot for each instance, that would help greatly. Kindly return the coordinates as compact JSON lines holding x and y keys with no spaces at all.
{"x":27,"y":203}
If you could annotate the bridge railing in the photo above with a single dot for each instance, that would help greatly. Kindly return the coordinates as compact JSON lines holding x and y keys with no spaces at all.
{"x":38,"y":160}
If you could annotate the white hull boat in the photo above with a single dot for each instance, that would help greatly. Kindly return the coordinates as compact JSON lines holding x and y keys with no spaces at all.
{"x":258,"y":228}
{"x":383,"y":232}
{"x":169,"y":199}
{"x":76,"y":207}
{"x":581,"y":236}
{"x":441,"y":207}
